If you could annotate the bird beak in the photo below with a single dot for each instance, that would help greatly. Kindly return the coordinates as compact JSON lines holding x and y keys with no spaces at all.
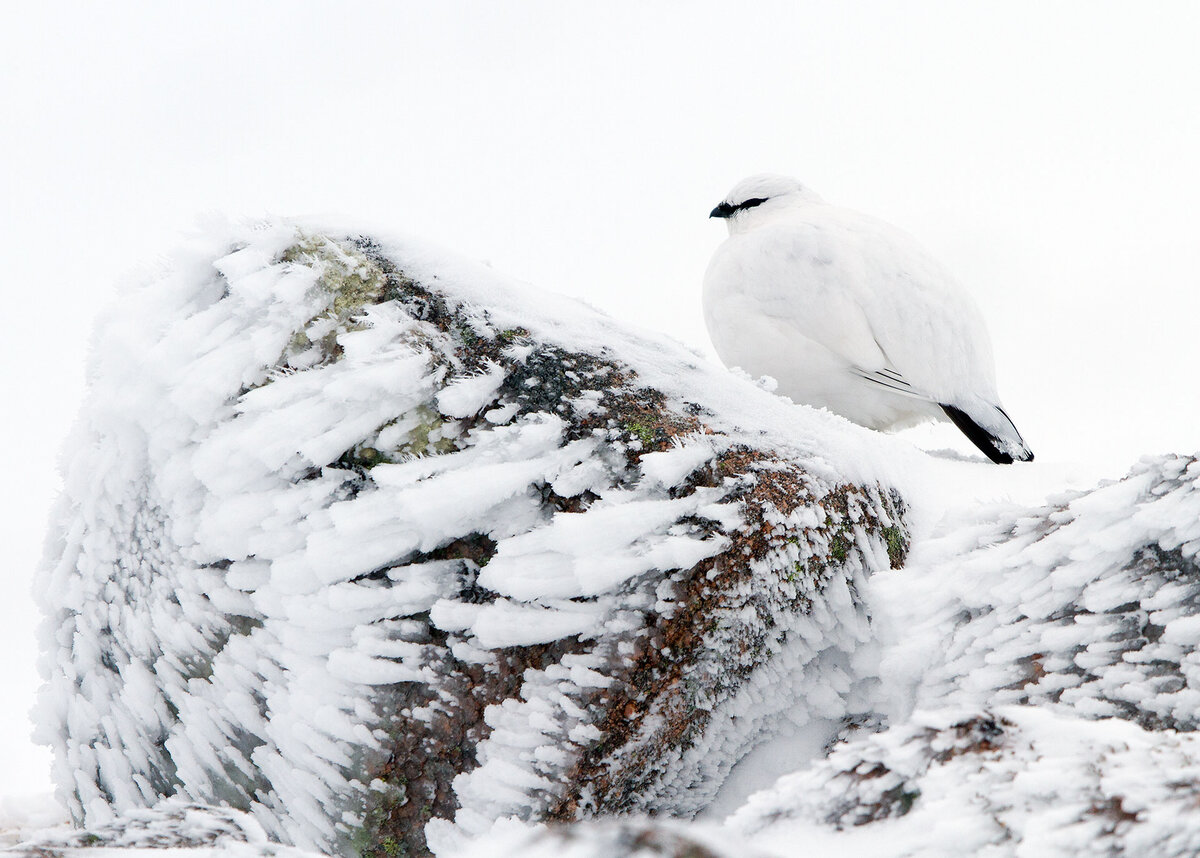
{"x":723,"y":210}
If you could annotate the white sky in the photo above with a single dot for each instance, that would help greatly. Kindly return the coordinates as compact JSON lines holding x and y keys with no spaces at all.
{"x":1045,"y":151}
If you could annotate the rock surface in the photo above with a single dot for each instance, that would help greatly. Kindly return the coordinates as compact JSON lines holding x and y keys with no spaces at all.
{"x":377,"y":548}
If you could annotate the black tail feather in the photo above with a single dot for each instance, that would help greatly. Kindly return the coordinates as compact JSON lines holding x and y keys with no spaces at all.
{"x":992,"y":447}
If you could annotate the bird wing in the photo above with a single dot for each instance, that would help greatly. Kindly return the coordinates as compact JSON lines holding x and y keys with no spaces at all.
{"x":890,"y":379}
{"x":800,"y":273}
{"x":872,"y":296}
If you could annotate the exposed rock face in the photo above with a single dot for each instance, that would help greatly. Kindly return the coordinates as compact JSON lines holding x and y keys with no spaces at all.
{"x":376,"y":547}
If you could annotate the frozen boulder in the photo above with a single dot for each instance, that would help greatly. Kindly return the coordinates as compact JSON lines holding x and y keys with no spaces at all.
{"x":375,"y":547}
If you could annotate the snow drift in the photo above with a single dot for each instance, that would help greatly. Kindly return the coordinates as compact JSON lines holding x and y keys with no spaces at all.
{"x":377,"y":548}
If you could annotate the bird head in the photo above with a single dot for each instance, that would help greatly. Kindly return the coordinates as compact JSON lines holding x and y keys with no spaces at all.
{"x":758,"y":196}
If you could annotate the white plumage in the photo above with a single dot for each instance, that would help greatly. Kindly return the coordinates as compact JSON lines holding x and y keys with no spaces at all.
{"x":850,"y":314}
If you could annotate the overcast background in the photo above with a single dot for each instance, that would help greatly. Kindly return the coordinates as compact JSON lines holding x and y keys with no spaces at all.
{"x":1045,"y":151}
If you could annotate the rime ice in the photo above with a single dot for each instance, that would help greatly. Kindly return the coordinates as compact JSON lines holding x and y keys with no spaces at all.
{"x":368,"y":543}
{"x":365,"y":549}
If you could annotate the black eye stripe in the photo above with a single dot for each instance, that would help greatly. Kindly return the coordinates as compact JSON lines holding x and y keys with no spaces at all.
{"x":749,"y":204}
{"x":729,"y":210}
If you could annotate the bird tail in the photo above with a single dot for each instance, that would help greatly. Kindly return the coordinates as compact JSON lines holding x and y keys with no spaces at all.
{"x":994,"y":433}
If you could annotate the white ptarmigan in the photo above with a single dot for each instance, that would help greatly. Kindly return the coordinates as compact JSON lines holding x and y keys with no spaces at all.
{"x":849,"y":313}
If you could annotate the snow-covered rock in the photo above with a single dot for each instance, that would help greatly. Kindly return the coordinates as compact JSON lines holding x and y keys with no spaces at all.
{"x":1015,"y":781}
{"x":1036,"y":695}
{"x":365,"y":549}
{"x":199,"y":831}
{"x":1041,"y":684}
{"x":629,"y":837}
{"x":370,"y":545}
{"x":1091,"y":602}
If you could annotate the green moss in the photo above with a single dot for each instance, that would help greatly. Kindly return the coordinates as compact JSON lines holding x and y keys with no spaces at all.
{"x":641,"y":432}
{"x":351,"y":282}
{"x":299,"y":343}
{"x":899,"y":801}
{"x":361,"y":840}
{"x":511,"y":334}
{"x":424,"y":433}
{"x":347,"y":274}
{"x":363,"y":456}
{"x":366,"y":840}
{"x":466,"y":334}
{"x":420,"y":441}
{"x":894,"y":537}
{"x":799,"y":568}
{"x":841,"y":541}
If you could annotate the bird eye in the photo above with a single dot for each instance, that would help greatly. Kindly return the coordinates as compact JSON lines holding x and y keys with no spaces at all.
{"x":749,"y":204}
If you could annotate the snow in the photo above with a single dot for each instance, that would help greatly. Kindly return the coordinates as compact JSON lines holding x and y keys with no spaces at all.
{"x":22,"y":816}
{"x":790,"y":751}
{"x":224,"y":589}
{"x":618,"y":538}
{"x":670,"y":467}
{"x":466,"y":396}
{"x":173,"y":828}
{"x":1067,"y":583}
{"x":1053,"y":785}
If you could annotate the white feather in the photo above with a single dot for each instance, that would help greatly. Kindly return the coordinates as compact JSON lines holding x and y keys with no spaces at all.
{"x":846,"y":312}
